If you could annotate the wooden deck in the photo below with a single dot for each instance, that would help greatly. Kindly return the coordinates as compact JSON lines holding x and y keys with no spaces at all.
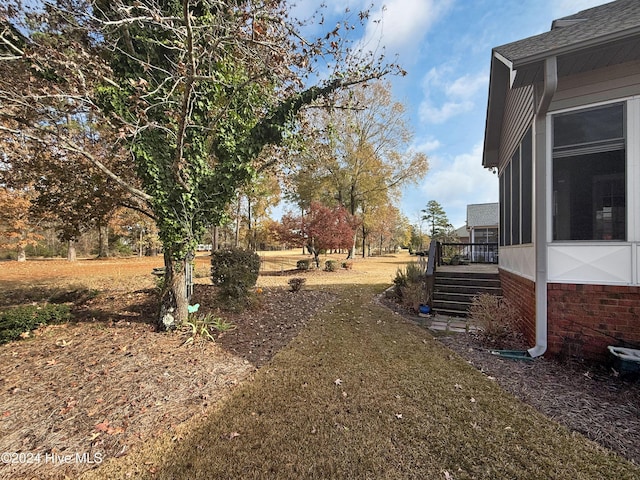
{"x":471,"y":268}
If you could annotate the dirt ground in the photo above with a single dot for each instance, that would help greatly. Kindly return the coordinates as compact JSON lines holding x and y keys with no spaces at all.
{"x":105,"y":383}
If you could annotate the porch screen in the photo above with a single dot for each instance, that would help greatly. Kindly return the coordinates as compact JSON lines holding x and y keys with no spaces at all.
{"x":589,"y":163}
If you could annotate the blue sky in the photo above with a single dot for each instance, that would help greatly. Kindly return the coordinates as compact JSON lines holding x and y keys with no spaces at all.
{"x":445,"y":46}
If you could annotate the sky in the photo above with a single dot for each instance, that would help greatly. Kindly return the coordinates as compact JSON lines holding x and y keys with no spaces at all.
{"x":445,"y":47}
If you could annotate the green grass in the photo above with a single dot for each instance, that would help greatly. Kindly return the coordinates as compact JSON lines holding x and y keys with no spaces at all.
{"x":405,"y":407}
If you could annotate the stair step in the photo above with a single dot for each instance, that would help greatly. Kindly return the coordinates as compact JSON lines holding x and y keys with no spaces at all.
{"x":454,"y":291}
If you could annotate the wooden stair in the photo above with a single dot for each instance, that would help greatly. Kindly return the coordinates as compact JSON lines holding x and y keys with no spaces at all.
{"x":454,"y":291}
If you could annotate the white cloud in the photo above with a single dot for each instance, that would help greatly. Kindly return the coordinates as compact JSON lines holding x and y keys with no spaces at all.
{"x":401,"y":25}
{"x":446,"y":97}
{"x":459,"y":182}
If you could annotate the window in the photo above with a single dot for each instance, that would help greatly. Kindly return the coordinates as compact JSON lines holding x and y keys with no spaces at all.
{"x":516,"y":201}
{"x":589,"y":180}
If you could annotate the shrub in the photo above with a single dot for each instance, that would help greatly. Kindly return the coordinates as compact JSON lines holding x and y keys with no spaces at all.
{"x":412,"y":274}
{"x":330,"y":265}
{"x":497,"y":318}
{"x":411,"y":287}
{"x":347,"y":265}
{"x":235,"y":271}
{"x":20,"y":320}
{"x":296,"y":284}
{"x":303,"y":264}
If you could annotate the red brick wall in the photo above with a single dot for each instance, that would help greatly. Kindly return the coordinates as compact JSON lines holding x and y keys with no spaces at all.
{"x":584,"y":319}
{"x":521,"y":292}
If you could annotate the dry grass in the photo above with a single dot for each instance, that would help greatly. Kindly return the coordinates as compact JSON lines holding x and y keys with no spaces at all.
{"x":362,"y":393}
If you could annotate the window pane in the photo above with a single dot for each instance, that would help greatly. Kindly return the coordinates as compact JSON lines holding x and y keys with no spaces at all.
{"x":503,"y":201}
{"x":507,"y":206}
{"x":527,"y":187}
{"x":589,"y":197}
{"x":515,"y":196}
{"x":588,"y":126}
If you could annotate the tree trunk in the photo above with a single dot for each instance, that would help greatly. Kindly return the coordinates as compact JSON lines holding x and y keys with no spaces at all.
{"x":174,"y":301}
{"x":214,"y":238}
{"x":22,"y":254}
{"x":103,"y":241}
{"x":237,"y":239}
{"x":71,"y":251}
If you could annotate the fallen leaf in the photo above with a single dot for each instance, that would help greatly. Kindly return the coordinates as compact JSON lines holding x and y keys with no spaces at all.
{"x":473,"y":400}
{"x":458,"y":386}
{"x":51,"y":362}
{"x":337,"y":381}
{"x":447,"y":475}
{"x":6,"y":414}
{"x":398,"y":415}
{"x":233,"y":435}
{"x":103,"y":426}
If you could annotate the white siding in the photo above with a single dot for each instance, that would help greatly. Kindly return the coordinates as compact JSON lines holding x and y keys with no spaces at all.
{"x":520,"y":260}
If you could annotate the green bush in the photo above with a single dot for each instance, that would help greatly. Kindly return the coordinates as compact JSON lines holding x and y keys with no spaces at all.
{"x":303,"y":265}
{"x":330,"y":265}
{"x":235,"y":271}
{"x":19,"y":320}
{"x":347,"y":265}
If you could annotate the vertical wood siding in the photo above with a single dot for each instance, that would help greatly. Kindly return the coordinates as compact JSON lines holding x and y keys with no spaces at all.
{"x":518,"y":114}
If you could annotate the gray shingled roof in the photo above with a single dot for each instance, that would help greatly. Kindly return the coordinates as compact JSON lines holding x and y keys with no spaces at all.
{"x":483,"y":214}
{"x":606,"y":22}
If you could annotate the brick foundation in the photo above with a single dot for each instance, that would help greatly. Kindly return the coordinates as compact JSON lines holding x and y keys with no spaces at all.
{"x":582,"y":320}
{"x":522,"y":294}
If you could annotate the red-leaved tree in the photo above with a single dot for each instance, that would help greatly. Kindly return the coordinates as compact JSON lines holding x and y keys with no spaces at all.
{"x":321,"y":228}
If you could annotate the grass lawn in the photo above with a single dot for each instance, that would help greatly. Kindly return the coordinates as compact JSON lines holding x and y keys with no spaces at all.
{"x":361,"y":393}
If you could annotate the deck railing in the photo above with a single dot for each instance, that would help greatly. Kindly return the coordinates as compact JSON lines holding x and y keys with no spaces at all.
{"x":461,"y":253}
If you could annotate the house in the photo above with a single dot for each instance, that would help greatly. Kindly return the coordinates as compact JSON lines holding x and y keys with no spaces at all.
{"x":563,"y":133}
{"x":482,"y":225}
{"x":463,"y":234}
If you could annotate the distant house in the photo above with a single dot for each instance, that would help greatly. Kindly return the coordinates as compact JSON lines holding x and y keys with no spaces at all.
{"x":563,"y":132}
{"x":463,"y":234}
{"x":483,"y":220}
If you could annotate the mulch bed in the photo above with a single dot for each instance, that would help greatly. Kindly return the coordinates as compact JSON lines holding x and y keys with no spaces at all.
{"x":106,"y":383}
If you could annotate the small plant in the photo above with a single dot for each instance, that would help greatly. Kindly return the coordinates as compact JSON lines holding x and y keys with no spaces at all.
{"x":497,"y":317}
{"x":20,"y":321}
{"x":347,"y":265}
{"x":203,"y":325}
{"x":330,"y":265}
{"x":296,"y":284}
{"x":411,"y":287}
{"x":303,"y":265}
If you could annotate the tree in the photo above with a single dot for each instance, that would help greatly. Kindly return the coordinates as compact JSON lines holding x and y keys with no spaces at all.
{"x":16,"y":227}
{"x":361,"y":157}
{"x":194,"y":89}
{"x":437,"y":219}
{"x":322,"y":228}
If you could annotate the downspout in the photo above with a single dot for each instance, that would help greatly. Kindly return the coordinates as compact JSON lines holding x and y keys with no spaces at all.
{"x":541,"y":162}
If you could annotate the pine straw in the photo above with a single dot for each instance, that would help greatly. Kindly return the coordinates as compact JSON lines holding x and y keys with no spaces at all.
{"x":363,"y":393}
{"x":587,"y":398}
{"x":96,"y":389}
